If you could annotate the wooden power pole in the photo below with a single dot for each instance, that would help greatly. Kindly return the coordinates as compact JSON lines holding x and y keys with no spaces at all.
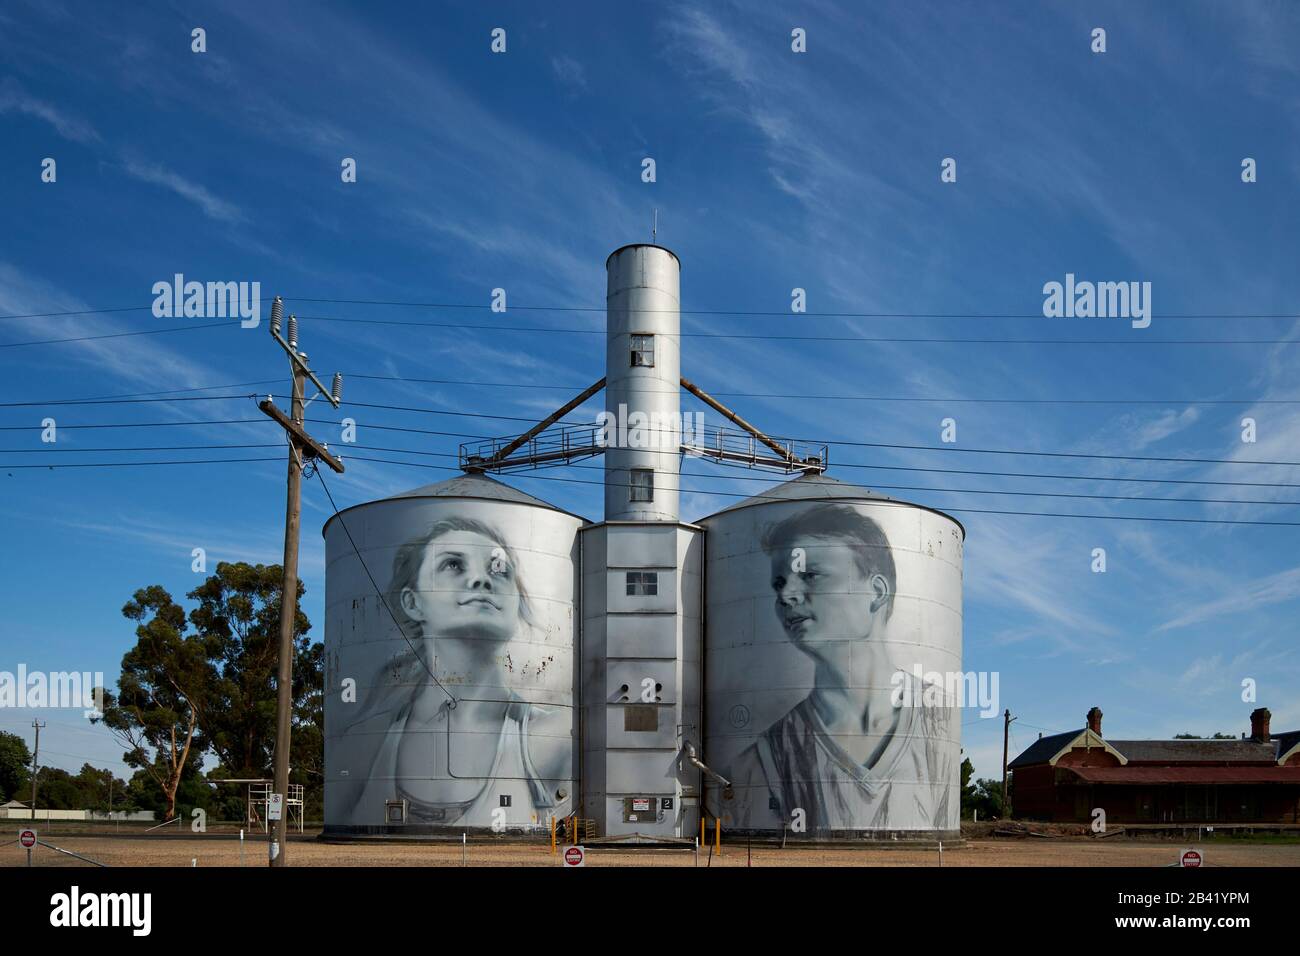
{"x":301,"y":447}
{"x":36,"y":751}
{"x":1006,"y":732}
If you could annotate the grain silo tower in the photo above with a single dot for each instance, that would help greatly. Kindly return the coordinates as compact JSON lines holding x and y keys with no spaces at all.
{"x":511,"y":663}
{"x":829,"y":607}
{"x":449,"y":641}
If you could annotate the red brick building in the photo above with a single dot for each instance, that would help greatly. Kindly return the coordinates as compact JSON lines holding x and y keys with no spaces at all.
{"x":1256,"y":779}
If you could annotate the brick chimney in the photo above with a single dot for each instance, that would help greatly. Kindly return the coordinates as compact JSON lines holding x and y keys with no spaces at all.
{"x":1094,"y":720}
{"x":1259,"y":719}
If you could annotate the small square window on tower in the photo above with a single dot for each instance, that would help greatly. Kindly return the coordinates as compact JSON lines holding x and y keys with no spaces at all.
{"x":642,"y":487}
{"x":643,"y":351}
{"x":642,"y":583}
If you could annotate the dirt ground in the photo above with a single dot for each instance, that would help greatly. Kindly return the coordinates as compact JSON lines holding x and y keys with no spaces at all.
{"x":220,"y":849}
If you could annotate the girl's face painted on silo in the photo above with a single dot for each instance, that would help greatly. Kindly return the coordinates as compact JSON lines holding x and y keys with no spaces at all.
{"x":822,"y":594}
{"x":466,"y":585}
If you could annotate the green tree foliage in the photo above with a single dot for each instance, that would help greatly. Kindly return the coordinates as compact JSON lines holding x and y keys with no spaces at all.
{"x":166,"y":686}
{"x":967,"y":789}
{"x":87,"y":790}
{"x":223,"y":675}
{"x":101,"y":790}
{"x":983,"y":796}
{"x":987,"y":798}
{"x":15,"y":767}
{"x":307,"y":750}
{"x":238,"y":619}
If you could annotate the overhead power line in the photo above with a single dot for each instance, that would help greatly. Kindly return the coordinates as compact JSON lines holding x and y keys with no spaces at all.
{"x":119,"y":335}
{"x":184,"y":424}
{"x":784,"y":313}
{"x":911,"y":340}
{"x":847,"y":443}
{"x":985,"y":473}
{"x":126,"y":401}
{"x":885,"y":503}
{"x":47,"y":450}
{"x":534,"y":477}
{"x":728,"y":477}
{"x":848,"y":398}
{"x":474,"y":327}
{"x":837,"y":464}
{"x":406,"y":379}
{"x":138,"y":464}
{"x":900,"y":340}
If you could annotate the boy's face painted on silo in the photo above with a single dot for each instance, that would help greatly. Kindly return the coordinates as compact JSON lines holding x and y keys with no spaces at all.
{"x":466,"y":584}
{"x":822,"y":594}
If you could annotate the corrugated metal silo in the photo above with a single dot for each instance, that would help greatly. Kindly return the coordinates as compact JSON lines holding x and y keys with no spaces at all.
{"x":482,"y":580}
{"x":823,"y":602}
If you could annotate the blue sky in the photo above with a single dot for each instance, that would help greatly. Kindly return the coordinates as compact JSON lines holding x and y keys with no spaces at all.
{"x":774,"y":171}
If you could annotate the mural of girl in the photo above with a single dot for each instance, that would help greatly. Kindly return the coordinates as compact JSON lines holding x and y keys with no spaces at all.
{"x":457,"y":755}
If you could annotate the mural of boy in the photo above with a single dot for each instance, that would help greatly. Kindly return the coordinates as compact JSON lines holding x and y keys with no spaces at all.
{"x":846,"y":755}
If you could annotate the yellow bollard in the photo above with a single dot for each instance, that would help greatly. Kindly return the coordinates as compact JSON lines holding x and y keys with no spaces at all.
{"x":717,"y":836}
{"x":552,"y":834}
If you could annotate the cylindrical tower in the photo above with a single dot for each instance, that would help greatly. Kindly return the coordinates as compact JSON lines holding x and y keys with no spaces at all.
{"x":832,"y":651}
{"x":643,"y":384}
{"x":480,"y":585}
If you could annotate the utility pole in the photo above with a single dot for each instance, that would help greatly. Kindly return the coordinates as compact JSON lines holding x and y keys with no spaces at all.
{"x":1006,"y":732}
{"x":301,"y":447}
{"x":36,"y":750}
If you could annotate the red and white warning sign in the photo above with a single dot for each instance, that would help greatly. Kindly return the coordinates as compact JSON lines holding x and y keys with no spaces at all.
{"x":575,"y":856}
{"x":1190,"y":858}
{"x":27,"y":838}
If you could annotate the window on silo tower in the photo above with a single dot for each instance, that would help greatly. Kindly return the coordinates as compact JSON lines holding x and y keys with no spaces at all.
{"x":643,"y":351}
{"x":642,"y":582}
{"x":642,"y":487}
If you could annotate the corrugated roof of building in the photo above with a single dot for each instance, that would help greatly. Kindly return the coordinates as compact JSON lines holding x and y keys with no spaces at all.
{"x":1182,"y":751}
{"x":1243,"y":752}
{"x":1219,"y":775}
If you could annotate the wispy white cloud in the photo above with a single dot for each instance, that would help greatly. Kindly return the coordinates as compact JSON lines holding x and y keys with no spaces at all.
{"x":213,"y":206}
{"x":569,"y":72}
{"x":1012,"y":564}
{"x":14,"y":99}
{"x":1240,"y":597}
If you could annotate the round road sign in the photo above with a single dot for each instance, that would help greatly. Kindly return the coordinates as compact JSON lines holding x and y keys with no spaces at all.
{"x":575,"y":856}
{"x":1191,"y":858}
{"x":27,"y":838}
